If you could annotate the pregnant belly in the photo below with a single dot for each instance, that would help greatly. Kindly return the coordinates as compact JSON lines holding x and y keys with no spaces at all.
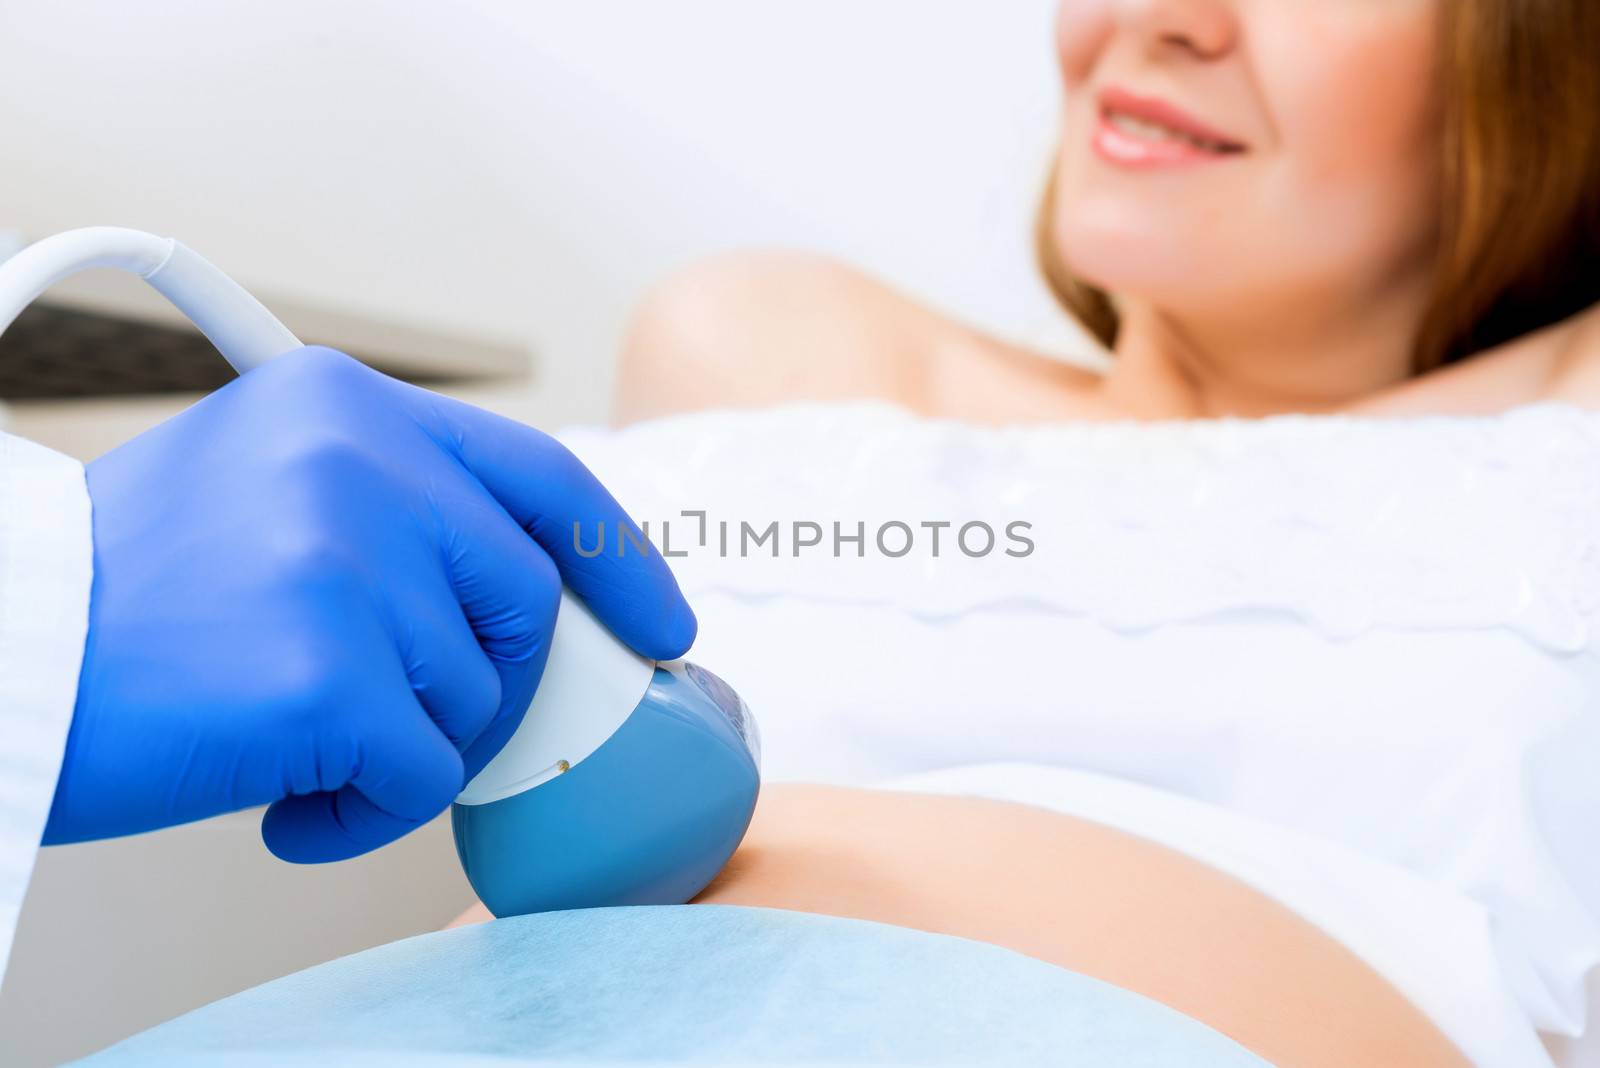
{"x":1090,"y":899}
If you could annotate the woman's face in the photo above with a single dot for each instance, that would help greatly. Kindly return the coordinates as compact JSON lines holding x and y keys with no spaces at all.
{"x":1307,"y":166}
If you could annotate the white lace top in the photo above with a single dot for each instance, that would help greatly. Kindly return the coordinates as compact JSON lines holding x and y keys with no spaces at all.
{"x":1384,"y":633}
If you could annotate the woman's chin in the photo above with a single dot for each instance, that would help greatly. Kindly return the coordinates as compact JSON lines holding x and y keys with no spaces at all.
{"x":1154,"y":275}
{"x":1145,"y":257}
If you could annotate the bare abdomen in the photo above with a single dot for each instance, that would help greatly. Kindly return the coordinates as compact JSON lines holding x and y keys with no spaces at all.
{"x":1088,"y":898}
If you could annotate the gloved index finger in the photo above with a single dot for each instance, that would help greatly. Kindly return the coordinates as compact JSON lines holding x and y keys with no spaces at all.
{"x":558,"y":501}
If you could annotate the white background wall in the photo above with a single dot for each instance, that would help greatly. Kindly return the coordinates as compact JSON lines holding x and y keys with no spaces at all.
{"x":522,"y":170}
{"x":497,"y":170}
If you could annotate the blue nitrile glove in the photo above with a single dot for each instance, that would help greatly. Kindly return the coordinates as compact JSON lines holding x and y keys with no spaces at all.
{"x":334,"y":592}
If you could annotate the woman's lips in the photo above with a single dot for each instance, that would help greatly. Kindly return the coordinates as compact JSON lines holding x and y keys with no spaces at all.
{"x":1145,"y":132}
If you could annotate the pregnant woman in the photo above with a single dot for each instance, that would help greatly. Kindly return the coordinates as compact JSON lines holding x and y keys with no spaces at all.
{"x":1292,"y":720}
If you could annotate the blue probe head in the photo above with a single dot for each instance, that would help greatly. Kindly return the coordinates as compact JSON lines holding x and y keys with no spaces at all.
{"x":648,"y":816}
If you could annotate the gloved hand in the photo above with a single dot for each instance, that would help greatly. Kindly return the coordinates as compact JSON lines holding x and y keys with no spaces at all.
{"x":334,"y":592}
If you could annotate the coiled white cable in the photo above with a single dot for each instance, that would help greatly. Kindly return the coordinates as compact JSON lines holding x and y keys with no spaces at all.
{"x":244,"y":331}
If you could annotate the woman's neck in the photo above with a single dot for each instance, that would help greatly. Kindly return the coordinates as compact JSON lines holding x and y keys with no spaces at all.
{"x":1257,"y":362}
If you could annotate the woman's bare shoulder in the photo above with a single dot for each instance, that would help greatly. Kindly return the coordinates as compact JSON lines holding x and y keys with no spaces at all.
{"x":1560,"y":362}
{"x":1576,"y":365}
{"x":752,"y":329}
{"x":756,"y":328}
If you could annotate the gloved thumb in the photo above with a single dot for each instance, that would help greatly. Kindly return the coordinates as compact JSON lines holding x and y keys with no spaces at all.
{"x":554,"y":498}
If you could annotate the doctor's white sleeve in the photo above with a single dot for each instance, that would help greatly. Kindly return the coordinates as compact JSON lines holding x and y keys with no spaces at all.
{"x":46,"y":569}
